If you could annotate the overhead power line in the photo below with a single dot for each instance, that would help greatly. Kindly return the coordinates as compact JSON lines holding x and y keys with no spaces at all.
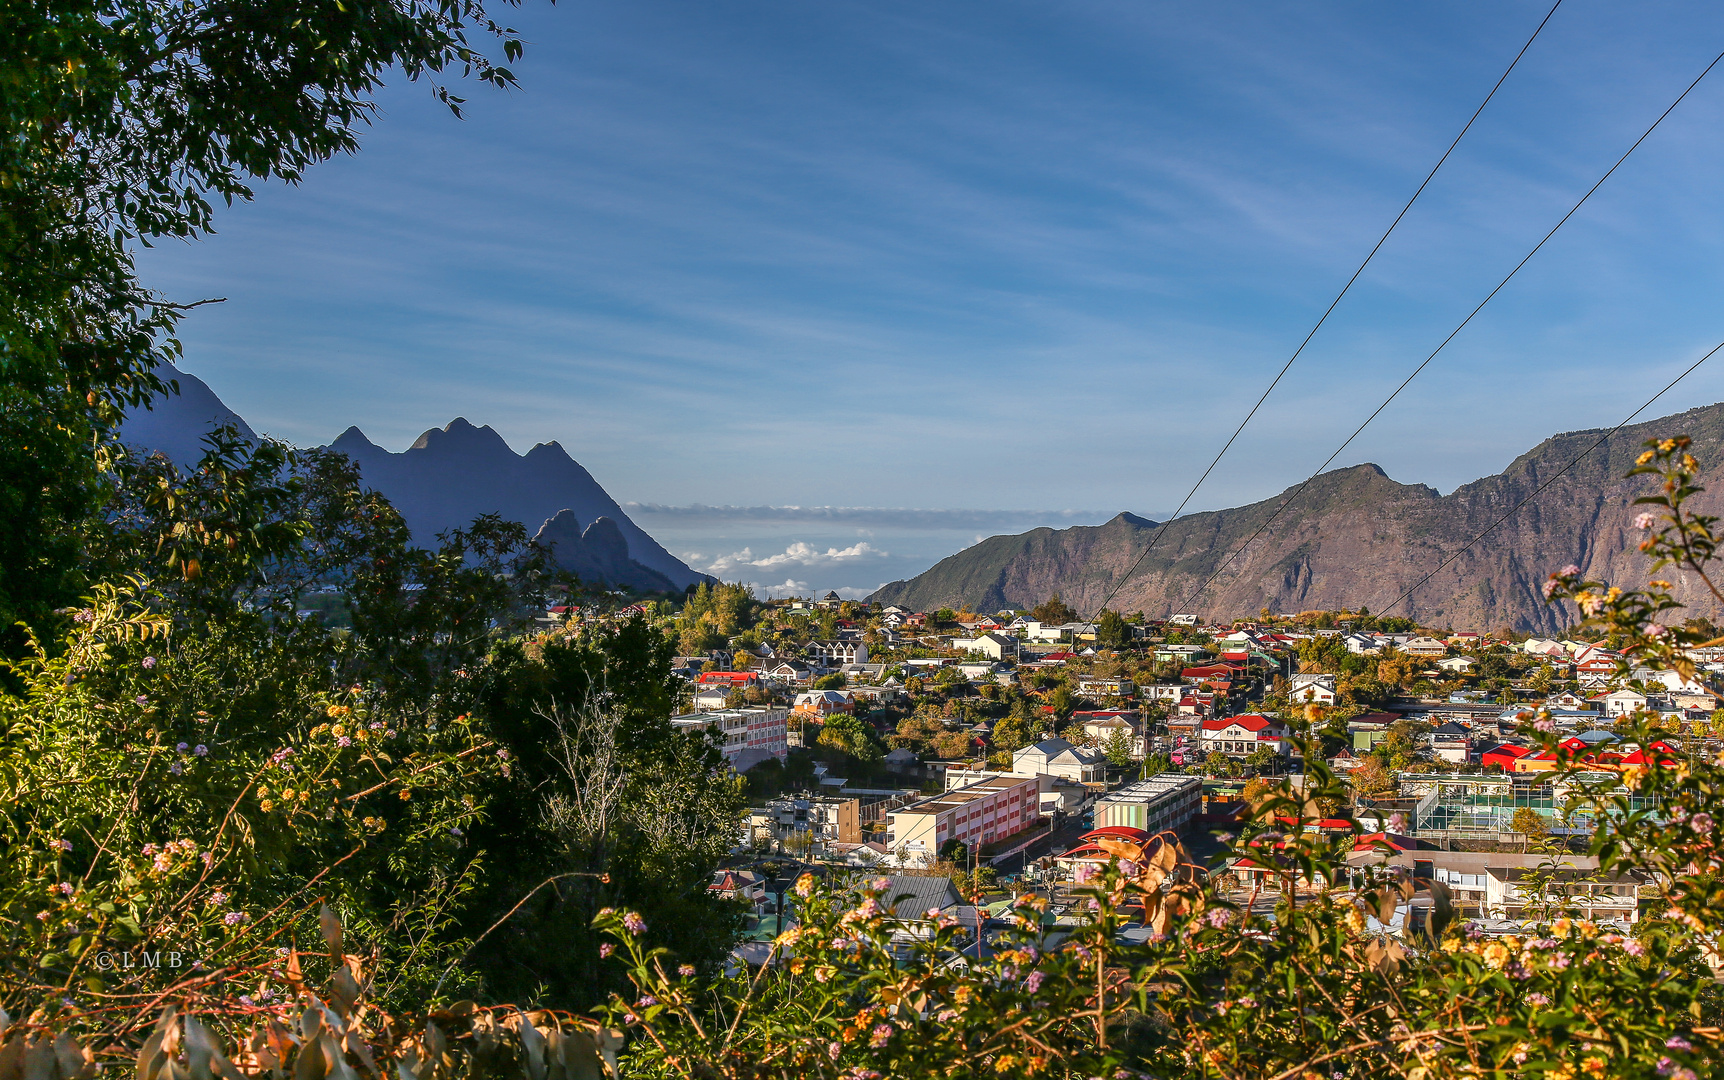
{"x":1184,"y":604}
{"x":1556,"y":476}
{"x":1381,"y":240}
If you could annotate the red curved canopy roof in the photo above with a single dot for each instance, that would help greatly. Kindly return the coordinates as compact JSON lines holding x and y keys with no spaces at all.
{"x":1084,"y":850}
{"x":1118,"y":832}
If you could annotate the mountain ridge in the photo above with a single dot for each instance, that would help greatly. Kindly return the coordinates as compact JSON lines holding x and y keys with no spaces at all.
{"x":1355,"y":536}
{"x":449,"y":476}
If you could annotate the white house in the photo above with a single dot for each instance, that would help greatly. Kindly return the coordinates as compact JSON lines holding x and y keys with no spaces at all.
{"x":711,"y":698}
{"x":1510,"y":890}
{"x":1460,"y":665}
{"x":1425,"y":646}
{"x":838,"y":653}
{"x":1105,"y":686}
{"x":1452,"y":743}
{"x":1673,"y":681}
{"x":1103,"y":727}
{"x":1363,"y":644}
{"x":993,"y":646}
{"x":1056,"y":757}
{"x":1238,"y":736}
{"x":1311,"y":686}
{"x":1622,"y":702}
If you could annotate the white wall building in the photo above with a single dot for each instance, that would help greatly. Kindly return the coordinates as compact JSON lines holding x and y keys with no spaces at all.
{"x":1308,"y":687}
{"x":1164,"y":801}
{"x":982,"y":813}
{"x":1056,"y":757}
{"x":739,"y":731}
{"x":993,"y":646}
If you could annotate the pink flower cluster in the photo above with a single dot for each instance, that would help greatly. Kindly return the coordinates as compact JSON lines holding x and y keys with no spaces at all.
{"x":162,"y":858}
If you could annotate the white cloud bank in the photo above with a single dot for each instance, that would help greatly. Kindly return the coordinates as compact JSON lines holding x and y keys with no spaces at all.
{"x":792,"y":587}
{"x":798,"y":555}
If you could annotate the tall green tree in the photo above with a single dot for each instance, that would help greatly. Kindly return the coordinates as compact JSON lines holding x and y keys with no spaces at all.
{"x":1118,"y":750}
{"x":1054,"y":611}
{"x":126,"y":123}
{"x":1111,"y":631}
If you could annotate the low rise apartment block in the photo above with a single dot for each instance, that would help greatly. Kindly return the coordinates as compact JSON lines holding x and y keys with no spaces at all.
{"x":746,"y":736}
{"x":981,"y":813}
{"x":1161,"y":802}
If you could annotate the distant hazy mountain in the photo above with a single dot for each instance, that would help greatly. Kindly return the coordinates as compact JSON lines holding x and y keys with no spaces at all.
{"x":1355,"y":537}
{"x":452,"y":475}
{"x":176,"y":425}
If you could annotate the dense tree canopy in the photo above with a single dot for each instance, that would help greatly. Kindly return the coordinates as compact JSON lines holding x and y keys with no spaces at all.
{"x":126,"y":123}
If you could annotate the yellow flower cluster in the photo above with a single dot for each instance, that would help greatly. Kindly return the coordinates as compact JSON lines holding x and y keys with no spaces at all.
{"x":287,"y":796}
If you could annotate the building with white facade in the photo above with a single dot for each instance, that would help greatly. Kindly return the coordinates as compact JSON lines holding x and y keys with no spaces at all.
{"x":1161,"y":802}
{"x":981,"y":813}
{"x":746,"y":736}
{"x":992,"y":646}
{"x":1238,"y":736}
{"x":1099,"y":686}
{"x":1056,"y":757}
{"x":1311,"y":686}
{"x":838,"y":653}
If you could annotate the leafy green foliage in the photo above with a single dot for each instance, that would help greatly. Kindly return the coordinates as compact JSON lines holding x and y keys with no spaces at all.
{"x":849,"y":736}
{"x":1111,"y":631}
{"x":396,"y":768}
{"x":1053,"y":611}
{"x":125,"y":123}
{"x":1118,"y":749}
{"x":713,"y":615}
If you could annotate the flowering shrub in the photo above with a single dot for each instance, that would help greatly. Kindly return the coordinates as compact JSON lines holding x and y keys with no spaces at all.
{"x":1312,"y":988}
{"x":152,"y":845}
{"x":858,"y":991}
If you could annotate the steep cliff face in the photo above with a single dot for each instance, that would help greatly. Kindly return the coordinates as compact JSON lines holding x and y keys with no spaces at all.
{"x":600,"y":554}
{"x":1354,"y":537}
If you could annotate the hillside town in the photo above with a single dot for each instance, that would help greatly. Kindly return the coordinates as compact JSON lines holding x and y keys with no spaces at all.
{"x":979,"y":756}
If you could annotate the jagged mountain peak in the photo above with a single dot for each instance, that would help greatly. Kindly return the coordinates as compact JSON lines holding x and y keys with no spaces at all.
{"x":176,"y":425}
{"x":354,"y":442}
{"x":598,"y":554}
{"x":459,"y":435}
{"x":448,"y":477}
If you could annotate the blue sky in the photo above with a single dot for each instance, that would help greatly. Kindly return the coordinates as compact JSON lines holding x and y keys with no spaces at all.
{"x":991,"y":255}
